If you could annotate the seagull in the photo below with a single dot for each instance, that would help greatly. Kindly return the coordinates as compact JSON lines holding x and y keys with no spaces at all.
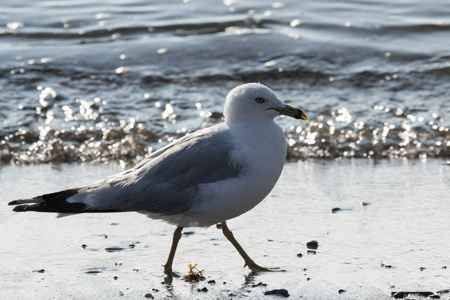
{"x":204,"y":178}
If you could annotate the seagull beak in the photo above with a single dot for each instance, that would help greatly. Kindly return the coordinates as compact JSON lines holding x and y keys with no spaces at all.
{"x":292,"y":112}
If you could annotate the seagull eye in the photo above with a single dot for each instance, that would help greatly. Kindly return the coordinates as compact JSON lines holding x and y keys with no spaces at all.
{"x":260,"y":100}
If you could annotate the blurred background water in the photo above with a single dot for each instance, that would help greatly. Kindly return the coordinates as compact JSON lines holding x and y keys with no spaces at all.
{"x":111,"y":81}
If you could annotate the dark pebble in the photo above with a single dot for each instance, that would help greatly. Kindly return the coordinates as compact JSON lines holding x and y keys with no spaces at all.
{"x":312,"y":245}
{"x":113,"y":249}
{"x":278,"y":292}
{"x":113,"y":224}
{"x":444,"y":267}
{"x":219,"y":226}
{"x":341,"y":291}
{"x":115,"y":277}
{"x":131,"y":246}
{"x":212,"y":281}
{"x":187,"y":233}
{"x":155,"y":290}
{"x":259,"y":284}
{"x":335,"y":210}
{"x":216,"y":115}
{"x":120,"y":293}
{"x":386,"y":266}
{"x":365,"y":203}
{"x":311,"y":252}
{"x":84,"y":246}
{"x":422,"y":268}
{"x":39,"y":271}
{"x":202,"y":290}
{"x":401,"y":295}
{"x":149,"y":296}
{"x":443,"y":292}
{"x":93,"y":272}
{"x":299,"y":255}
{"x":435,"y":297}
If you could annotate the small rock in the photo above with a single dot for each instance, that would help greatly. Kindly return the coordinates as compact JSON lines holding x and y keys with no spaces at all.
{"x":422,"y":268}
{"x":115,"y":277}
{"x":131,"y":245}
{"x":401,"y":295}
{"x":312,"y":245}
{"x":335,"y":210}
{"x":84,"y":246}
{"x":278,"y":292}
{"x":39,"y":271}
{"x":341,"y":291}
{"x":149,"y":296}
{"x":113,"y":249}
{"x":259,"y":284}
{"x":216,"y":115}
{"x":365,"y":203}
{"x":443,"y":292}
{"x":311,"y":252}
{"x":299,"y":255}
{"x":212,"y":281}
{"x":202,"y":290}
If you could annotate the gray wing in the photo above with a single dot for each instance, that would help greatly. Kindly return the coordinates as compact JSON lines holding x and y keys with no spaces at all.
{"x":168,"y":181}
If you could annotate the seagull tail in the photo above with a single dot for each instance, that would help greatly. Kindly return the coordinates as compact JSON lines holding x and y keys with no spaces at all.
{"x":54,"y":202}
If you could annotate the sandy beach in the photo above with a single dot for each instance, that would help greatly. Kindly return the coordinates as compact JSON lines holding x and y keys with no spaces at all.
{"x":382,"y":229}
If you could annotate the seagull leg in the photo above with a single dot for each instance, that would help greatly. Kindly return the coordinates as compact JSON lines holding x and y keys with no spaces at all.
{"x":248,"y":261}
{"x":168,"y":266}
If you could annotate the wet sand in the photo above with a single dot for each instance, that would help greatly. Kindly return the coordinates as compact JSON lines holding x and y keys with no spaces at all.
{"x":381,"y":228}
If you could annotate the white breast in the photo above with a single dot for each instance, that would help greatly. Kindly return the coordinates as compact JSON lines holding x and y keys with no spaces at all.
{"x":262,"y":151}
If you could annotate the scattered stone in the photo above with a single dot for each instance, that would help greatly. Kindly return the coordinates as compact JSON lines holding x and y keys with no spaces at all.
{"x":341,"y":291}
{"x":205,"y":290}
{"x":84,"y":246}
{"x":131,"y":245}
{"x":117,"y":264}
{"x":299,"y":255}
{"x":365,"y":203}
{"x":105,"y":236}
{"x":311,"y":252}
{"x":113,"y":249}
{"x":115,"y":277}
{"x":136,"y":270}
{"x":422,"y":268}
{"x":278,"y":292}
{"x":444,"y":267}
{"x":120,"y":293}
{"x":308,"y":279}
{"x":335,"y":210}
{"x":312,"y":245}
{"x":434,"y":297}
{"x":39,"y":271}
{"x":386,"y":266}
{"x":155,"y":290}
{"x":113,"y":224}
{"x":259,"y":284}
{"x":219,"y":226}
{"x":149,"y":296}
{"x":212,"y":281}
{"x":443,"y":292}
{"x":401,"y":295}
{"x":216,"y":115}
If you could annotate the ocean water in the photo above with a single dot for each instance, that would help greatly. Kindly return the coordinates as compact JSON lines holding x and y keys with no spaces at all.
{"x":111,"y":81}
